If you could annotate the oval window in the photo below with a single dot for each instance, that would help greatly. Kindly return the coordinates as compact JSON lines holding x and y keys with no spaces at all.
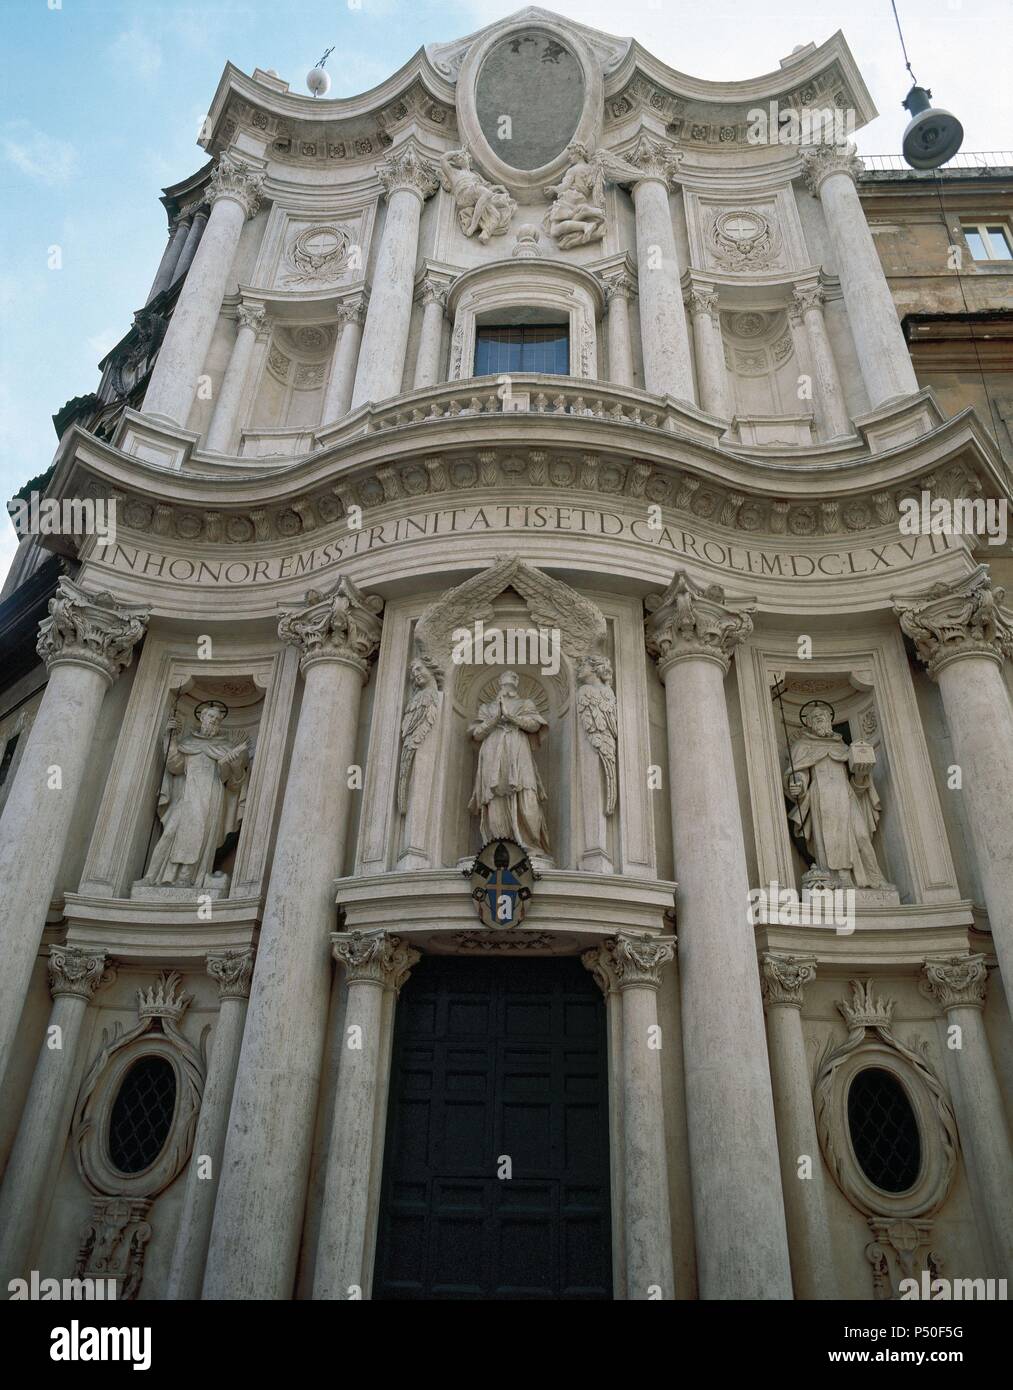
{"x":884,"y":1130}
{"x":142,"y":1114}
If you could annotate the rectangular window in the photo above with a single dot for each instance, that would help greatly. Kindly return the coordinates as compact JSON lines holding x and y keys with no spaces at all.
{"x":989,"y":241}
{"x":530,"y":347}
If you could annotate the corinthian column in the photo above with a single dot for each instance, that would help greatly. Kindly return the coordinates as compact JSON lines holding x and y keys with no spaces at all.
{"x":376,"y":966}
{"x":86,"y":641}
{"x":805,"y":1197}
{"x":74,"y":976}
{"x":737,"y":1207}
{"x":710,"y":357}
{"x":234,"y":195}
{"x":668,"y":370}
{"x":807,"y":309}
{"x":963,"y":638}
{"x":351,"y":314}
{"x":632,"y":966}
{"x":619,"y":290}
{"x":232,"y":970}
{"x":252,"y":320}
{"x":258,"y":1216}
{"x":958,"y":984}
{"x":170,"y":257}
{"x":408,"y":180}
{"x":831,"y":172}
{"x":432,"y":295}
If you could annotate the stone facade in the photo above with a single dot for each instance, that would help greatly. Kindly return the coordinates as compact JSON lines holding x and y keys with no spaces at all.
{"x":648,"y":613}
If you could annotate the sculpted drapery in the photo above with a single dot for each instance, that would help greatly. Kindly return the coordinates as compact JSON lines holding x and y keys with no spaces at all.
{"x":509,"y":794}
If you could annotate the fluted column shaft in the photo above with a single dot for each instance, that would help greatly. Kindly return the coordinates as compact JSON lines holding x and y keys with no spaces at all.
{"x":86,"y":641}
{"x":170,"y":258}
{"x":831,"y":172}
{"x":959,"y":984}
{"x":805,"y":1197}
{"x":258,"y":1215}
{"x":338,"y":395}
{"x":408,"y":181}
{"x":376,"y":966}
{"x":737,"y":1205}
{"x":235,"y":195}
{"x":74,"y":976}
{"x":715,"y":396}
{"x":832,"y":412}
{"x":220,"y":434}
{"x":232,"y":970}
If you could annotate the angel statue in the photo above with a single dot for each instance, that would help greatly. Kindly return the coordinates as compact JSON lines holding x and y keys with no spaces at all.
{"x":419,"y":716}
{"x":482,"y":207}
{"x":508,"y":793}
{"x":577,"y":216}
{"x":596,"y":706}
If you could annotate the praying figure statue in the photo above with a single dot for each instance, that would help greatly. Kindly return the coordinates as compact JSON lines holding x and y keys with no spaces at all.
{"x":835,"y":804}
{"x":509,"y":795}
{"x":198,"y":802}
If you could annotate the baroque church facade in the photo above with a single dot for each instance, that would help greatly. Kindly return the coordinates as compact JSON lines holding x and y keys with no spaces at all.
{"x":512,"y":812}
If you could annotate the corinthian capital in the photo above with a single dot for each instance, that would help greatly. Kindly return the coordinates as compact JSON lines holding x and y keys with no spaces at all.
{"x":240,"y":182}
{"x":233,"y":972}
{"x":785,"y":977}
{"x":353,"y":309}
{"x":77,"y":972}
{"x":639,"y":960}
{"x":91,"y":629}
{"x":655,"y":159}
{"x":956,"y":982}
{"x":688,"y":620}
{"x":955,"y":620}
{"x":339,"y":624}
{"x":431,"y":291}
{"x":703,"y":299}
{"x":821,"y":161}
{"x":253,"y":316}
{"x":405,"y":168}
{"x":375,"y":957}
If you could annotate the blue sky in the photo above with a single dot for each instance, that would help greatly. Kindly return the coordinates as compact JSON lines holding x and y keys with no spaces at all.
{"x":104,"y":98}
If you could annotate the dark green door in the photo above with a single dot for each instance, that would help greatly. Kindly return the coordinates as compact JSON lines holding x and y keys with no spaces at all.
{"x":497,"y":1062}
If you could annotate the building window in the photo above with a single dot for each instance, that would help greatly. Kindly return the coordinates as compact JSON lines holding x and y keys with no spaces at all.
{"x":530,"y":347}
{"x":142,"y":1114}
{"x":884,"y":1131}
{"x":988,"y":241}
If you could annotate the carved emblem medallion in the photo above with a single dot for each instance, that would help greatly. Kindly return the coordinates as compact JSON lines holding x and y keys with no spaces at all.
{"x":501,"y":881}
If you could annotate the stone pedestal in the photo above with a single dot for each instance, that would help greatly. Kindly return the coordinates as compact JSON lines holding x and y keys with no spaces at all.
{"x":619,"y":290}
{"x":86,"y":642}
{"x":668,"y":370}
{"x":831,"y":412}
{"x":715,"y":396}
{"x":831,"y":172}
{"x":963,"y":638}
{"x":233,"y":971}
{"x":433,"y":297}
{"x":376,"y":966}
{"x":408,"y":180}
{"x":738,"y":1212}
{"x":958,"y":984}
{"x":338,"y":395}
{"x":805,"y":1198}
{"x":252,"y":324}
{"x":234,"y":194}
{"x":74,"y":976}
{"x":258,"y":1216}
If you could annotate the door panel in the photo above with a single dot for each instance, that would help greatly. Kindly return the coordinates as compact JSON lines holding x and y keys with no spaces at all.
{"x":497,"y":1058}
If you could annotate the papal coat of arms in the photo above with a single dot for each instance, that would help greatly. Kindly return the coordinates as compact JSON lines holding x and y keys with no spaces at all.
{"x":501,"y":880}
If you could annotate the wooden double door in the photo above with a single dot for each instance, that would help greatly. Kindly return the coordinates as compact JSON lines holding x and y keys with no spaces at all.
{"x":496,"y":1167}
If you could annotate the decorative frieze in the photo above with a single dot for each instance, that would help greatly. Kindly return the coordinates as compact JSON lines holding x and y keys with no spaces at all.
{"x":92,"y":629}
{"x":963,"y":618}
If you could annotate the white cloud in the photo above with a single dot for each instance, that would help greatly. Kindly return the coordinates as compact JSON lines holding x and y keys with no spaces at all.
{"x":40,"y":156}
{"x":137,"y":52}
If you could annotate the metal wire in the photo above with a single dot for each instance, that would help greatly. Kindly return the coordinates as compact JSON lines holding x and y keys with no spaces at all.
{"x":900,"y":34}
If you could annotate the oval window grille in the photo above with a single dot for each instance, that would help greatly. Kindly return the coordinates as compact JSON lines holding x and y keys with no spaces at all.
{"x":142,"y":1114}
{"x":884,"y":1130}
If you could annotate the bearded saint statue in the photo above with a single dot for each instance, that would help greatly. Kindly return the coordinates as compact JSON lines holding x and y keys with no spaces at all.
{"x":509,"y":795}
{"x":836,"y":806}
{"x":198,"y":801}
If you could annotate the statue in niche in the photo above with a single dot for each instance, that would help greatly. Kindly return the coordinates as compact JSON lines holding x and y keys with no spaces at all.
{"x":206,"y":772}
{"x":482,"y":207}
{"x":596,"y":706}
{"x":577,"y":215}
{"x":508,"y":795}
{"x":836,"y":806}
{"x":420,"y":714}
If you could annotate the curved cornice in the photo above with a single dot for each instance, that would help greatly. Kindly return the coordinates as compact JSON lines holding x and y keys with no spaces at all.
{"x":538,"y":269}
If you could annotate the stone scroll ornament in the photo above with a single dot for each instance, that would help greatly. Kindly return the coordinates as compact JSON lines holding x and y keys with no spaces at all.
{"x":483,"y":209}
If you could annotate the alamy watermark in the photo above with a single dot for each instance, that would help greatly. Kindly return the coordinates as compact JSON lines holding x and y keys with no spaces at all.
{"x":799,"y":125}
{"x":35,"y":515}
{"x":926,"y":515}
{"x":37,"y":1287}
{"x":814,"y":907}
{"x":515,"y":646}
